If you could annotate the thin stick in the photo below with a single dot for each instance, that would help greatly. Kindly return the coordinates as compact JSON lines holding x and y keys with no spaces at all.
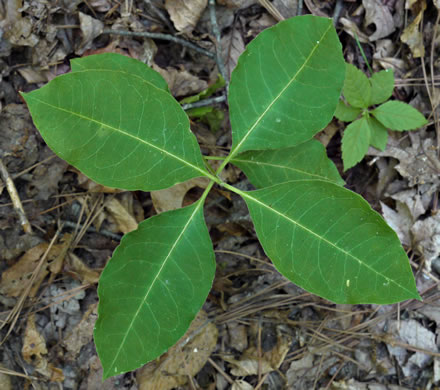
{"x":18,"y":207}
{"x":216,"y":31}
{"x":165,"y":37}
{"x":204,"y":103}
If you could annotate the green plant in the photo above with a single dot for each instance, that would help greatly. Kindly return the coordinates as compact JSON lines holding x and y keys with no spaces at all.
{"x":372,"y":127}
{"x":114,"y":119}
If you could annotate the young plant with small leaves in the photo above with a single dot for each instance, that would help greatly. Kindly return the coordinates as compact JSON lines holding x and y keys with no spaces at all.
{"x":371,"y":114}
{"x":114,"y":119}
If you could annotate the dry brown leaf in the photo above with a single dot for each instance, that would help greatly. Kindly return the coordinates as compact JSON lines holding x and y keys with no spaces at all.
{"x":90,"y":28}
{"x":82,"y":333}
{"x":123,"y":217}
{"x":232,"y":45}
{"x":413,"y":37}
{"x":14,"y":280}
{"x":181,"y":82}
{"x":352,"y":29}
{"x":5,"y":381}
{"x":172,"y":198}
{"x":185,"y":14}
{"x":377,"y":13}
{"x":253,"y":361}
{"x":173,"y":368}
{"x":240,"y":4}
{"x":85,"y":274}
{"x":241,"y":385}
{"x":34,"y":344}
{"x":91,"y":186}
{"x":427,"y":238}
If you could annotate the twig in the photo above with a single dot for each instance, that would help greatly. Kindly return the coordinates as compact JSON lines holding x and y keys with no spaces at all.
{"x":337,"y":12}
{"x":204,"y":103}
{"x":165,"y":37}
{"x":216,"y":31}
{"x":18,"y":207}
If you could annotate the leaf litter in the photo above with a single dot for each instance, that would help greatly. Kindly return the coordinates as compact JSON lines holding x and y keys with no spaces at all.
{"x":387,"y":348}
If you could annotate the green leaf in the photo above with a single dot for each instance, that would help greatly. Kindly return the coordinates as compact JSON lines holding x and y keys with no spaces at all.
{"x":152,"y":288}
{"x":382,"y":86}
{"x":379,"y":134}
{"x":118,"y":129}
{"x":346,"y":113}
{"x":268,"y":167}
{"x":399,"y":116}
{"x":118,"y":62}
{"x":357,"y":87}
{"x":355,"y":142}
{"x":286,"y":84}
{"x":328,"y":240}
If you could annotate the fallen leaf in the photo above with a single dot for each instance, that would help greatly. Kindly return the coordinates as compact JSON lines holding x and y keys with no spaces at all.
{"x":16,"y":278}
{"x":185,"y":14}
{"x":174,"y":367}
{"x":240,"y":384}
{"x":181,"y":82}
{"x":84,"y":273}
{"x":123,"y":217}
{"x":81,"y":334}
{"x":427,"y":238}
{"x":253,"y":361}
{"x":232,"y":45}
{"x":34,"y":345}
{"x":413,"y":37}
{"x":90,"y":28}
{"x":400,"y":221}
{"x":377,"y":13}
{"x":172,"y":198}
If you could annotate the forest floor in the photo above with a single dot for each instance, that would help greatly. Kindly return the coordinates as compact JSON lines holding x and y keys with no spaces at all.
{"x":266,"y":333}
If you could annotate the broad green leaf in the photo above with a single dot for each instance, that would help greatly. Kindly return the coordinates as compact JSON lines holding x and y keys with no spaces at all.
{"x":378,"y":133}
{"x":355,"y":142}
{"x":152,"y":288}
{"x":399,"y":116}
{"x":346,"y":113}
{"x":268,"y":167}
{"x":286,"y":84}
{"x":117,"y":128}
{"x":382,"y":86}
{"x":328,"y":240}
{"x":357,"y":87}
{"x":114,"y":61}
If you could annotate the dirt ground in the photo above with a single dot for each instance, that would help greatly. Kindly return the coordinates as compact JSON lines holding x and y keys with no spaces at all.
{"x":264,"y":332}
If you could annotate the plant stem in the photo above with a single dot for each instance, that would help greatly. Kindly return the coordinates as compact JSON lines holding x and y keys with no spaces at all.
{"x":363,"y":54}
{"x":214,"y":158}
{"x":204,"y":103}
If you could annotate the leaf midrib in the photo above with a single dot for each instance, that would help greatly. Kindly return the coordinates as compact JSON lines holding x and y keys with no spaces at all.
{"x":121,"y":131}
{"x":247,"y":195}
{"x":295,"y":76}
{"x":179,"y":237}
{"x":280,"y":166}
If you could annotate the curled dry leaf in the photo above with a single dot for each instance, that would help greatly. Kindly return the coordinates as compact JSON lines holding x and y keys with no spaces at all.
{"x":185,"y":14}
{"x":172,"y":198}
{"x":181,"y":82}
{"x":173,"y":368}
{"x":90,"y":28}
{"x":34,"y":345}
{"x":378,"y":14}
{"x":232,"y":45}
{"x":254,"y":361}
{"x":123,"y":217}
{"x":413,"y":37}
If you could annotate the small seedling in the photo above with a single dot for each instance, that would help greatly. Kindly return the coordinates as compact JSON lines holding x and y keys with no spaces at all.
{"x":114,"y":119}
{"x":362,"y":93}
